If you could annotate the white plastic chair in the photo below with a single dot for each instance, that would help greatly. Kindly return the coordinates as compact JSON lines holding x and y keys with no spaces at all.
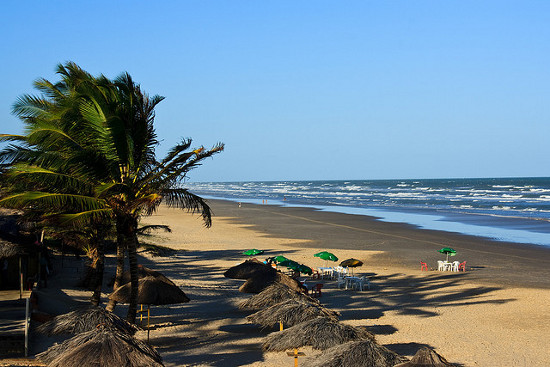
{"x":440,"y":265}
{"x":340,"y":281}
{"x":361,"y":283}
{"x":454,"y":266}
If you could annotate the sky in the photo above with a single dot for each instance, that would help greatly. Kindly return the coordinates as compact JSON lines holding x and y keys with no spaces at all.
{"x":311,"y":90}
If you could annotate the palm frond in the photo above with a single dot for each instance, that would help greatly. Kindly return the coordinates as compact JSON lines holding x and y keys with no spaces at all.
{"x":183,"y":199}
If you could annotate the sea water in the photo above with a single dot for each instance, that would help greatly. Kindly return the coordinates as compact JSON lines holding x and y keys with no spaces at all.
{"x":503,"y":209}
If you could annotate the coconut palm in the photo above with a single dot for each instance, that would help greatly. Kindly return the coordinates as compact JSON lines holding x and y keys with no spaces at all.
{"x":88,"y":153}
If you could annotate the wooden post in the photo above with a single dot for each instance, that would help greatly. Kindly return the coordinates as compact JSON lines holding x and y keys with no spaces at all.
{"x":148,"y":324}
{"x":295,"y":354}
{"x":280,"y":326}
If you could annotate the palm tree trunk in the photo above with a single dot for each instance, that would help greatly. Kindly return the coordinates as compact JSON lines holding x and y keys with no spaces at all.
{"x":98,"y":276}
{"x":132,"y":259}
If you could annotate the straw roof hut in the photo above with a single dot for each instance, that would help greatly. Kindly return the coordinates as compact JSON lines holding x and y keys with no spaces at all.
{"x":248,"y":269}
{"x":142,"y":273}
{"x":273,"y":294}
{"x":426,"y":357}
{"x":363,"y":353}
{"x":9,"y":249}
{"x":151,"y":291}
{"x":101,"y":347}
{"x":319,"y":333}
{"x":259,"y":276}
{"x":86,"y":319}
{"x":290,"y":313}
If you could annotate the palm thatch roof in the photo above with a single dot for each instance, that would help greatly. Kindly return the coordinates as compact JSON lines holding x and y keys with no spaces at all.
{"x":101,"y":347}
{"x":151,"y":291}
{"x":86,"y":319}
{"x":9,"y":249}
{"x":426,"y":357}
{"x":363,"y":353}
{"x":248,"y":269}
{"x":319,"y":333}
{"x":273,"y":294}
{"x":290,"y":313}
{"x":145,"y":272}
{"x":260,"y":281}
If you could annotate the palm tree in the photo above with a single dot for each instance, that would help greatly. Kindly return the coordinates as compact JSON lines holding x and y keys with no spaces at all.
{"x":98,"y":135}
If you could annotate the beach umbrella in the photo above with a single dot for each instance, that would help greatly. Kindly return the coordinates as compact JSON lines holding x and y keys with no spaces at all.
{"x":448,"y":251}
{"x":259,"y":282}
{"x":363,"y":353}
{"x":426,"y":357}
{"x":253,"y":252}
{"x":145,"y":272}
{"x":291,"y":264}
{"x":249,"y":269}
{"x":279,"y":259}
{"x":86,"y":319}
{"x":290,"y":313}
{"x":304,"y":269}
{"x":273,"y":294}
{"x":319,"y":333}
{"x":351,"y":263}
{"x":325,"y":255}
{"x":151,"y":291}
{"x":101,"y":347}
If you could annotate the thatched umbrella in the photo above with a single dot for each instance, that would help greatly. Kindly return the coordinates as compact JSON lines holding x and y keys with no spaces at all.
{"x":151,"y":291}
{"x":290,"y":313}
{"x":248,"y":269}
{"x":319,"y":333}
{"x":101,"y":347}
{"x":145,"y":272}
{"x":259,"y":282}
{"x":426,"y":357}
{"x":363,"y":353}
{"x":273,"y":294}
{"x":9,"y":249}
{"x":86,"y":319}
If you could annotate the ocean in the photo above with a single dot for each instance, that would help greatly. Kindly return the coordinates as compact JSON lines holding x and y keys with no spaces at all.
{"x":502,"y":209}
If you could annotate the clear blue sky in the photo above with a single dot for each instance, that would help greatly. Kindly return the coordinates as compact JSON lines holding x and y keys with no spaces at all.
{"x":312,"y":89}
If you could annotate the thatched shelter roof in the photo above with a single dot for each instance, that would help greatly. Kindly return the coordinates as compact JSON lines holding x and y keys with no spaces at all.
{"x":363,"y":353}
{"x":151,"y":291}
{"x":145,"y":272}
{"x":259,"y":282}
{"x":273,"y":294}
{"x":290,"y":313}
{"x":9,"y":249}
{"x":426,"y":357}
{"x":86,"y":319}
{"x":101,"y":347}
{"x":248,"y":269}
{"x":319,"y":333}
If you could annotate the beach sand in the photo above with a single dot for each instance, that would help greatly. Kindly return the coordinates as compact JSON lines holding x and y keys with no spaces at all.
{"x":495,"y":314}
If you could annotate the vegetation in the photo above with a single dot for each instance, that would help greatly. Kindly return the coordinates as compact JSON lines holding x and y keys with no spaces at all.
{"x":87,"y":160}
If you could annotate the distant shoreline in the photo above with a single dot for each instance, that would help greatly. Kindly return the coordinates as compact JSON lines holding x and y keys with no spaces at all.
{"x":488,"y":226}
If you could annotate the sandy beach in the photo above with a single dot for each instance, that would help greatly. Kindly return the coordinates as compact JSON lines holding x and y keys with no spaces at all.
{"x":492,"y":315}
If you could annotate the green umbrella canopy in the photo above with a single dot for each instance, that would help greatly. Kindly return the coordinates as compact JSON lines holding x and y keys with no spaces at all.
{"x":326,"y":256}
{"x":279,"y":259}
{"x":448,"y":251}
{"x":253,"y":252}
{"x":289,"y":263}
{"x":304,"y":269}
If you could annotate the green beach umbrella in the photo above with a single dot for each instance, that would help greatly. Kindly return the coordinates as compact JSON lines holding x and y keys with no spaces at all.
{"x":279,"y":259}
{"x":325,"y":255}
{"x":448,"y":251}
{"x":291,"y":264}
{"x":304,"y":269}
{"x":253,"y":252}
